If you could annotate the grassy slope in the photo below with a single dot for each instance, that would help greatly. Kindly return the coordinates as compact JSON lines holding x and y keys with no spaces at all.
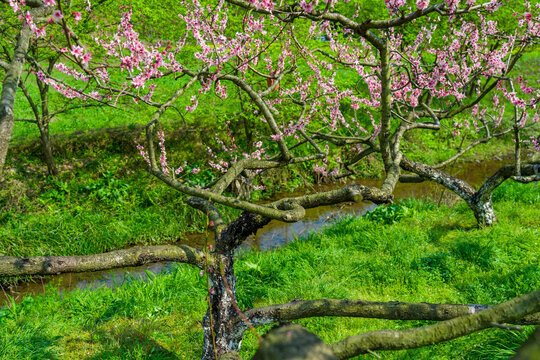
{"x":435,"y":255}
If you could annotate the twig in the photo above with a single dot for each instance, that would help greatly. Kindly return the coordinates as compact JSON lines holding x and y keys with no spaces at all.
{"x":233,"y":300}
{"x":507,"y":327}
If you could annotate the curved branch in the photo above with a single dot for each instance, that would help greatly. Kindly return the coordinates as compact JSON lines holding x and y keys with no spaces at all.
{"x":136,"y":256}
{"x":507,"y":312}
{"x":529,"y":171}
{"x":460,"y":187}
{"x":209,"y":210}
{"x":395,"y":310}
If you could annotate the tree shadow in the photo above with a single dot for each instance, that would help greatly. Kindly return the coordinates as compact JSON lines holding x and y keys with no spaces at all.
{"x":127,"y":342}
{"x":37,"y":347}
{"x":438,"y":231}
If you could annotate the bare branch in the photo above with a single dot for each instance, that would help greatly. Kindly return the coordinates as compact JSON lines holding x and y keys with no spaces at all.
{"x":26,"y":120}
{"x":471,"y":146}
{"x":529,"y":172}
{"x":50,"y":265}
{"x":395,"y":310}
{"x":460,"y":187}
{"x":507,"y":312}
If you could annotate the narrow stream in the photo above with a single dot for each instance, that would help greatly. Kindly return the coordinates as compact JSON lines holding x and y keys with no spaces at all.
{"x":273,"y":235}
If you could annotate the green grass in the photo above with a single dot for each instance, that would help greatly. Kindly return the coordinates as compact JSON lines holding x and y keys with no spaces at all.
{"x":432,"y":254}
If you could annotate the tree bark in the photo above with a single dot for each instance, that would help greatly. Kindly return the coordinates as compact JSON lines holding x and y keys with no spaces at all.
{"x":478,"y":200}
{"x":12,"y":77}
{"x":428,"y":335}
{"x":47,"y":148}
{"x":9,"y":89}
{"x":218,"y":321}
{"x":136,"y":256}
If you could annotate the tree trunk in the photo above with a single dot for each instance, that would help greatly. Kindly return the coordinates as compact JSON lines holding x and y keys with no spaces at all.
{"x":47,"y":148}
{"x":483,"y":211}
{"x":11,"y":82}
{"x":221,"y":314}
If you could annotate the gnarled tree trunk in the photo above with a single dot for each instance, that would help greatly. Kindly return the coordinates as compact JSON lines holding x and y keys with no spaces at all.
{"x":478,"y":200}
{"x":220,"y":316}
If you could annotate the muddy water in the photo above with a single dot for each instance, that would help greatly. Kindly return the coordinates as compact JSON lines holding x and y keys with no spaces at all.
{"x":273,"y":235}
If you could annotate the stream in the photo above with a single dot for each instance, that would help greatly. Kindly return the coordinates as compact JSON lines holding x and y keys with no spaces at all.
{"x":271,"y":236}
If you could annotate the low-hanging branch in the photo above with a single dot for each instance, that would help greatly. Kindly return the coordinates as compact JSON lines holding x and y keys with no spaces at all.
{"x":395,"y":310}
{"x":135,"y":256}
{"x":507,"y":312}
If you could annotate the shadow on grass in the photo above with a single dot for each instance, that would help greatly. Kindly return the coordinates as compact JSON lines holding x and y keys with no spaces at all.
{"x":36,"y":347}
{"x":438,"y":231}
{"x":126,"y":342}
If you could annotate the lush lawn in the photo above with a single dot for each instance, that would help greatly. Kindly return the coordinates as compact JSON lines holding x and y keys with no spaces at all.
{"x":432,"y":254}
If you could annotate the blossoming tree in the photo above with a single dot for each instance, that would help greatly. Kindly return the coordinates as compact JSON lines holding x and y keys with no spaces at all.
{"x":296,"y":84}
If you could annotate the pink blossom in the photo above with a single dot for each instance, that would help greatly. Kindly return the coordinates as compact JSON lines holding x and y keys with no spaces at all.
{"x":77,"y":51}
{"x":452,"y":5}
{"x":276,"y":137}
{"x":422,"y":4}
{"x":77,"y":16}
{"x":308,"y":7}
{"x":57,"y":15}
{"x":14,"y":5}
{"x":86,"y":57}
{"x":394,"y":5}
{"x":194,"y":103}
{"x":50,"y":2}
{"x":138,"y":82}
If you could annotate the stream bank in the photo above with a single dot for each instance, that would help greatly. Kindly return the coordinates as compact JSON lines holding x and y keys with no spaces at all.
{"x":273,"y":235}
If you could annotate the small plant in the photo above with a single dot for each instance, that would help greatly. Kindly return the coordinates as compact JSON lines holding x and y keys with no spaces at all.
{"x":389,"y":214}
{"x":58,"y":190}
{"x":108,"y":188}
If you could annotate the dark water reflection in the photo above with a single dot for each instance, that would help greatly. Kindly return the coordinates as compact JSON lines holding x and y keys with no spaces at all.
{"x":273,"y":235}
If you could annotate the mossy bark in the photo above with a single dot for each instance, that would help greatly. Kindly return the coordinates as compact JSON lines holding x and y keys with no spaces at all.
{"x":447,"y":330}
{"x":136,"y":256}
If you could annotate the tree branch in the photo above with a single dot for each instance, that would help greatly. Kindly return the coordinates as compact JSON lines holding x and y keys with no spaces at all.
{"x":460,"y":187}
{"x":530,"y":172}
{"x":136,"y":256}
{"x":395,"y":310}
{"x":507,"y":312}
